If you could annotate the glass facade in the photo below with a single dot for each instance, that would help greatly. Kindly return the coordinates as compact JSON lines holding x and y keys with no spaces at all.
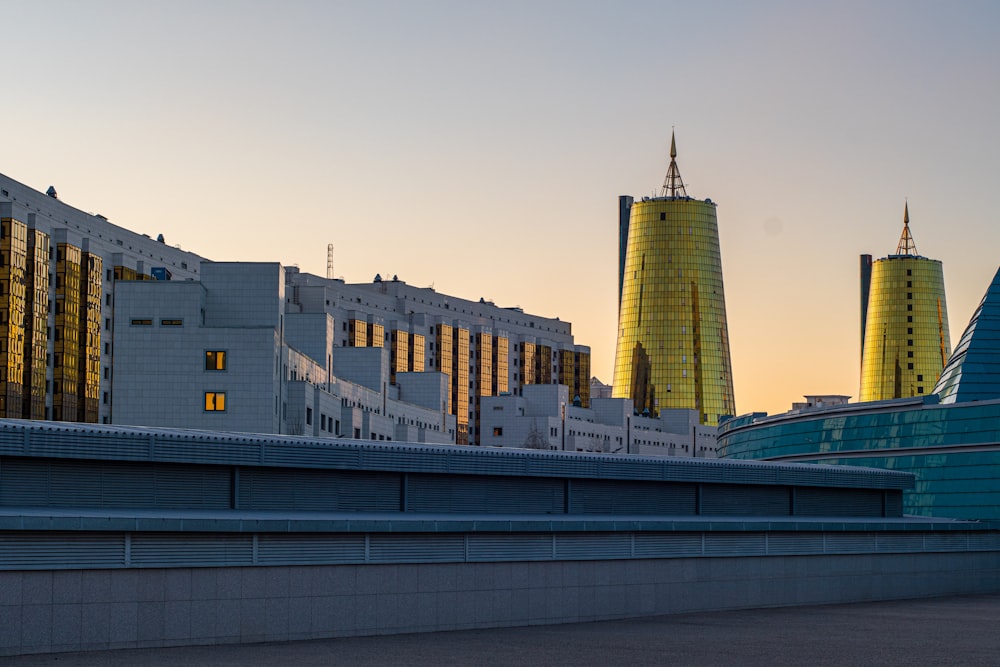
{"x":35,"y":324}
{"x":13,"y":297}
{"x":673,"y":340}
{"x":500,"y":373}
{"x":357,"y":331}
{"x":66,"y":348}
{"x":581,"y":378}
{"x":89,"y":388}
{"x":399,"y":353}
{"x":543,"y":364}
{"x":973,"y":371}
{"x":484,"y":370}
{"x":951,"y":448}
{"x":906,"y":339}
{"x":460,"y":401}
{"x":375,"y":335}
{"x":417,"y":351}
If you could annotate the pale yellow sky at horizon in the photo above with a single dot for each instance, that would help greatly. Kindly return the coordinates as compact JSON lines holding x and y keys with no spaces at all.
{"x":482,"y":149}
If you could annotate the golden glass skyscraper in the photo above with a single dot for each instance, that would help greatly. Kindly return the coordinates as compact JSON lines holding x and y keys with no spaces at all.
{"x":904,"y":320}
{"x":673,"y":341}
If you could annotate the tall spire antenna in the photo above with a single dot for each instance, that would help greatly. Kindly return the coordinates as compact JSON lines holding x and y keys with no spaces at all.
{"x":673,"y":186}
{"x":906,"y":246}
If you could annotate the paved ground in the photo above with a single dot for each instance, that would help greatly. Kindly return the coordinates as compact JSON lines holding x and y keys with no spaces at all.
{"x":942,"y":631}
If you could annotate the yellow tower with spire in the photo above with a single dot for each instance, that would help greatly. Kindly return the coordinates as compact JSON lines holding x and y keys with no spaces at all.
{"x":673,"y":340}
{"x":904,"y":322}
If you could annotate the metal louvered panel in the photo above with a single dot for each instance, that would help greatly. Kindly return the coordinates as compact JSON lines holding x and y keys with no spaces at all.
{"x":899,"y":542}
{"x":403,"y":459}
{"x":593,"y":547}
{"x":24,"y":482}
{"x":820,"y":501}
{"x":11,"y":442}
{"x":984,"y":541}
{"x":229,"y":453}
{"x":744,"y":500}
{"x":81,"y":443}
{"x":639,"y":498}
{"x":416,"y":548}
{"x":142,"y":443}
{"x":946,"y":541}
{"x":110,"y":484}
{"x":893,"y":503}
{"x":34,"y":551}
{"x":310,"y":549}
{"x":187,"y":550}
{"x":787,"y":544}
{"x":626,"y":469}
{"x":281,"y":489}
{"x":502,"y":547}
{"x":850,"y":543}
{"x":667,"y":545}
{"x":305,"y":456}
{"x":735,"y":544}
{"x":192,"y":487}
{"x":510,"y":465}
{"x":481,"y":494}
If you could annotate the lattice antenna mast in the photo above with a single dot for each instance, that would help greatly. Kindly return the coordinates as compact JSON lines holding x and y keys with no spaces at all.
{"x":906,"y":246}
{"x":329,"y":262}
{"x":673,"y":186}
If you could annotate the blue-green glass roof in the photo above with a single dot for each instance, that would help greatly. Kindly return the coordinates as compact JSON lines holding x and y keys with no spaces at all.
{"x":973,"y":372}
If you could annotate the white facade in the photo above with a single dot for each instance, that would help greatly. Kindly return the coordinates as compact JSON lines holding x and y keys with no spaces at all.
{"x":214,"y":354}
{"x":121,"y":252}
{"x":291,"y":364}
{"x":544,"y":418}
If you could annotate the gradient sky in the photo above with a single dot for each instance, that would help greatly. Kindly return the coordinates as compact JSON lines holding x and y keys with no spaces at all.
{"x":481,"y":147}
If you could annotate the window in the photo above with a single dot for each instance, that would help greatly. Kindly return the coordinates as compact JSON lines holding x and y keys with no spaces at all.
{"x":663,"y":216}
{"x":909,"y":366}
{"x":215,"y":401}
{"x":909,"y":318}
{"x":497,"y":430}
{"x":309,"y":416}
{"x":909,"y":283}
{"x":920,"y":378}
{"x":215,"y":360}
{"x":142,"y":323}
{"x":171,"y":323}
{"x":909,"y":295}
{"x":909,"y":330}
{"x":910,"y":354}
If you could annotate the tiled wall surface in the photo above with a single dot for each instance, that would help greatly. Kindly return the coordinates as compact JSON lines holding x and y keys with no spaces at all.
{"x":72,"y":610}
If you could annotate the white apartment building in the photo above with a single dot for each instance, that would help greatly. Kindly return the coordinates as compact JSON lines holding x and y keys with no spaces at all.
{"x":58,"y":270}
{"x":544,"y":417}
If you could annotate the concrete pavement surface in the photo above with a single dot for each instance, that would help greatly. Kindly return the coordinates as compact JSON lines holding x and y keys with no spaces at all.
{"x":959,"y":630}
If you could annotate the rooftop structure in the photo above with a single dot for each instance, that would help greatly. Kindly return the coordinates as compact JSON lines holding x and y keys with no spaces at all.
{"x":180,"y":536}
